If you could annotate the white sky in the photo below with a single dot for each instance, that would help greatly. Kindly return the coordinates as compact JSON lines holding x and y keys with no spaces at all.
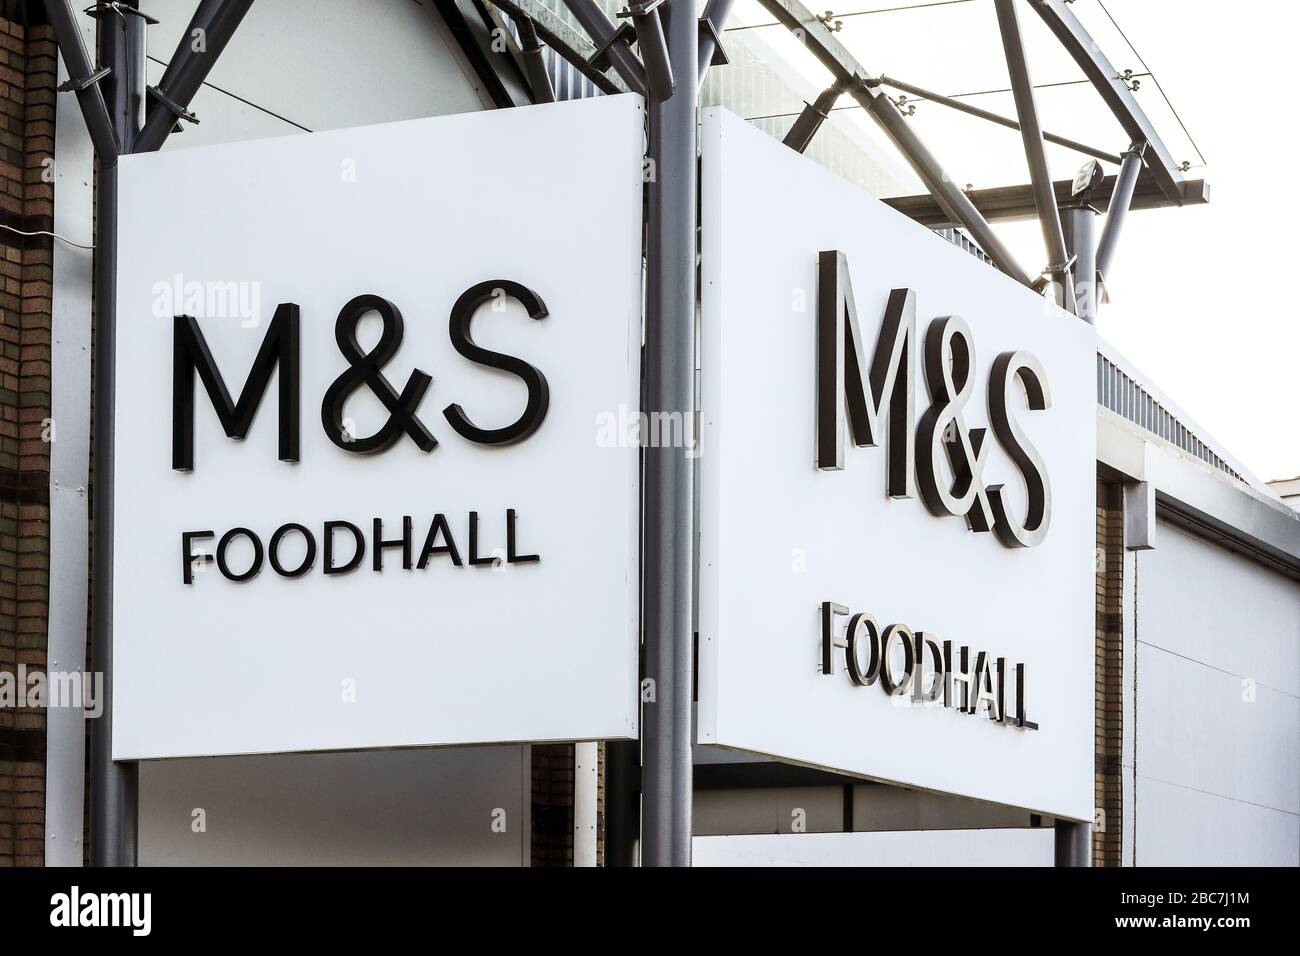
{"x":1195,"y":291}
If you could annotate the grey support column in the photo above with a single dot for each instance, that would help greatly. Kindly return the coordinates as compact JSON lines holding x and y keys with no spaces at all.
{"x":1080,"y":222}
{"x":1073,"y":843}
{"x":667,"y":734}
{"x":114,"y":786}
{"x":1120,"y":201}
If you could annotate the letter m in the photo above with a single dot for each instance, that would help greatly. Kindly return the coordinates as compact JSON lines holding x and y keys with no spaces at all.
{"x":190,"y":354}
{"x":844,"y":383}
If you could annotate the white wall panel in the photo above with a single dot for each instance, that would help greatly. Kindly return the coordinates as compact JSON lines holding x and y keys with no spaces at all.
{"x":1208,"y":604}
{"x":906,"y":848}
{"x":1216,"y":710}
{"x":1197,"y":727}
{"x":1182,"y":827}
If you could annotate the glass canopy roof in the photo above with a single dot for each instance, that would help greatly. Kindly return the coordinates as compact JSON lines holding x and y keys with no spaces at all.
{"x":951,"y":47}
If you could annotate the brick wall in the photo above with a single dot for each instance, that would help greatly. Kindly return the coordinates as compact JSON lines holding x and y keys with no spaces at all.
{"x":28,"y":67}
{"x":1108,"y":824}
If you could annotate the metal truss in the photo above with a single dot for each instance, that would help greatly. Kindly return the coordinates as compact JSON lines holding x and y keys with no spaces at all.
{"x":1109,"y":83}
{"x":1162,"y":185}
{"x":569,"y":43}
{"x":859,"y":84}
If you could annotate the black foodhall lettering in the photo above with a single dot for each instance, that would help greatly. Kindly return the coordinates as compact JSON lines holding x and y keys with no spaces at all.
{"x":292,"y":550}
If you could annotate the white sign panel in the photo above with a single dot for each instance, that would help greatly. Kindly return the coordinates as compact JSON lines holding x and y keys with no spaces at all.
{"x":415,"y":329}
{"x":897,"y":524}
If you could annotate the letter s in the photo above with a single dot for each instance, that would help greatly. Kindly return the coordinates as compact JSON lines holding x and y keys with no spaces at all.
{"x":539,"y":395}
{"x":1006,"y":368}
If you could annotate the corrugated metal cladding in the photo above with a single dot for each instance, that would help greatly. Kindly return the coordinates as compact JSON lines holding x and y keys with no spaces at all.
{"x":1125,"y":397}
{"x":567,"y":82}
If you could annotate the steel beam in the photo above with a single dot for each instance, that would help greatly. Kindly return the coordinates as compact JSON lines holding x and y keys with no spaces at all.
{"x":811,"y":119}
{"x":717,"y":12}
{"x":564,"y":40}
{"x":800,"y":21}
{"x":83,"y":80}
{"x":530,"y":48}
{"x":668,"y":502}
{"x":1014,"y":203}
{"x":601,"y":30}
{"x":1087,"y":54}
{"x":121,"y":41}
{"x":1007,"y":121}
{"x":831,"y":54}
{"x":644,"y":16}
{"x":1121,"y":200}
{"x":189,"y":67}
{"x":490,"y":49}
{"x":941,"y":186}
{"x":1031,"y":132}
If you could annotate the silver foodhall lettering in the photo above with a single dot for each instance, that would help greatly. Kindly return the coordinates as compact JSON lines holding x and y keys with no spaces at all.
{"x":932,"y":670}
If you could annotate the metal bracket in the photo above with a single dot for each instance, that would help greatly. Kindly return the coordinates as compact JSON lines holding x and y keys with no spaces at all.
{"x":707,"y":29}
{"x":600,"y":59}
{"x":75,"y":85}
{"x":1062,"y":267}
{"x":1138,"y":149}
{"x":118,"y":7}
{"x":180,"y":112}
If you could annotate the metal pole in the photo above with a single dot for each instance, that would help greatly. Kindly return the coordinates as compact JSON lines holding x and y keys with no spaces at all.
{"x":669,"y":523}
{"x":1031,"y":132}
{"x":600,"y":28}
{"x":82,"y":78}
{"x":1080,"y":222}
{"x":955,"y":203}
{"x":534,"y":62}
{"x":1073,"y":844}
{"x":114,"y":786}
{"x":811,"y":119}
{"x":649,"y":28}
{"x":210,"y":29}
{"x":1086,"y":52}
{"x":1008,"y":122}
{"x":1120,"y":201}
{"x":717,"y":12}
